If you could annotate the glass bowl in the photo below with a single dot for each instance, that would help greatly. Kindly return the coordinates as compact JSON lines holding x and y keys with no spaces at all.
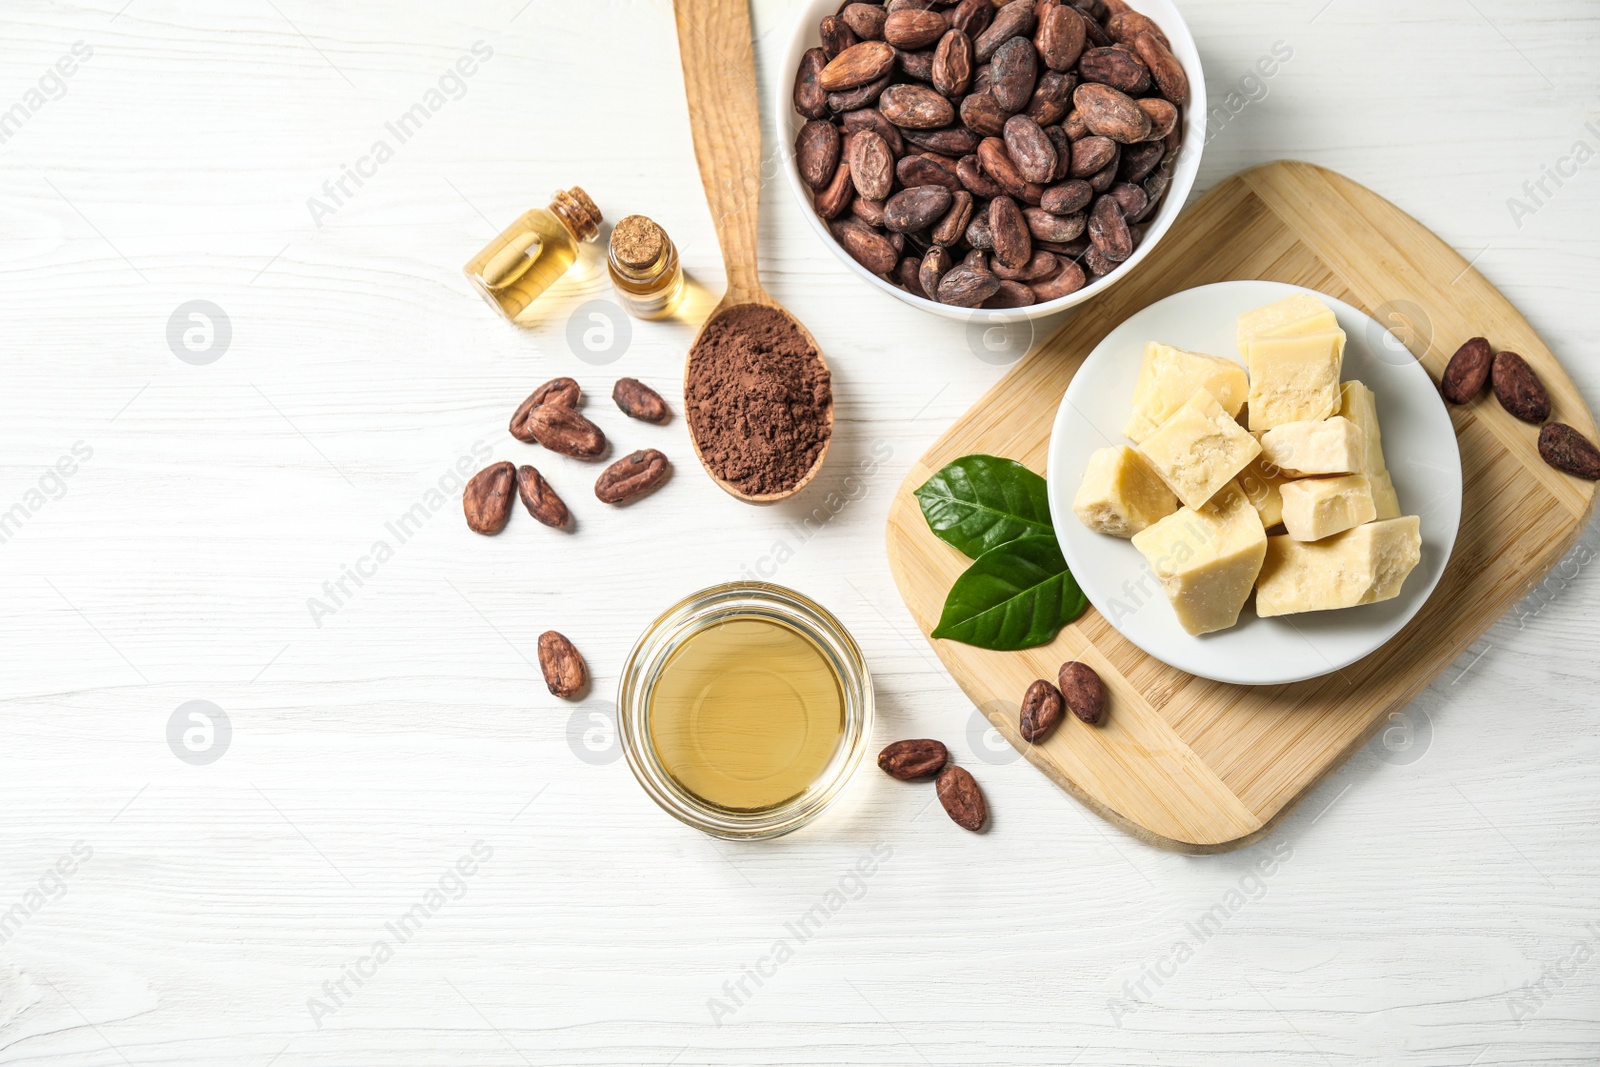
{"x":701,"y":611}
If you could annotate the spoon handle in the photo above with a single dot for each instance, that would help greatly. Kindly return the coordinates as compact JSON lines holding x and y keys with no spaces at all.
{"x":719,"y":76}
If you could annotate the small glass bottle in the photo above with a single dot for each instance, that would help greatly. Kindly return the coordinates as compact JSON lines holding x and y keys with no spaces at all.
{"x":531,"y":253}
{"x":644,"y":268}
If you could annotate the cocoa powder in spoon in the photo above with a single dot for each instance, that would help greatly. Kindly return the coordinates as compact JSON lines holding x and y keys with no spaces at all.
{"x":757,"y":397}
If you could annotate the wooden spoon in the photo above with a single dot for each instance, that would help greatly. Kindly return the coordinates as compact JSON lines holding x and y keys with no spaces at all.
{"x":719,"y":75}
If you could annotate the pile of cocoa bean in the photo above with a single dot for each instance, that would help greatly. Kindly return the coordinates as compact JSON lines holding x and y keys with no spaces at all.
{"x":1520,"y":392}
{"x":958,"y":792}
{"x":989,"y":153}
{"x":550,"y":417}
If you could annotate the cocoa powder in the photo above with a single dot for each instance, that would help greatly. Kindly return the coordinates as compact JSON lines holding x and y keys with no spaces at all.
{"x":757,"y":397}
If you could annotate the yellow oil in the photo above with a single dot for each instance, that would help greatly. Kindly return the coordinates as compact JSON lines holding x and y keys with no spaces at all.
{"x":524,"y":261}
{"x":746,"y":714}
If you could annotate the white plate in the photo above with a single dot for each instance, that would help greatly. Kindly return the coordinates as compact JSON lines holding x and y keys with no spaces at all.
{"x":1419,"y":445}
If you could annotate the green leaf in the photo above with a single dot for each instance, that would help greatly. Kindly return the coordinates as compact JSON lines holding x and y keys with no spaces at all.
{"x":978,"y":502}
{"x":1015,"y":596}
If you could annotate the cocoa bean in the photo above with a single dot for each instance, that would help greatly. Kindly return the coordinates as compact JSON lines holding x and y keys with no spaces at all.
{"x":865,"y":20}
{"x":565,"y":673}
{"x":855,"y":99}
{"x":935,"y":263}
{"x":953,"y":63}
{"x":914,"y":29}
{"x":962,"y":286}
{"x":1083,"y":691}
{"x":866,"y":246}
{"x":954,"y":142}
{"x":916,"y":107}
{"x":871,"y":165}
{"x":1102,"y":179}
{"x":1113,"y":66}
{"x":1041,"y":264}
{"x":563,"y":392}
{"x":858,"y":65}
{"x":1029,"y":148}
{"x":1091,"y":154}
{"x":970,"y":171}
{"x":958,"y":793}
{"x":1163,"y":116}
{"x":1015,"y":72}
{"x":810,"y":98}
{"x":1095,"y":262}
{"x":1067,"y":198}
{"x":1063,"y":146}
{"x":1046,"y":226}
{"x":816,"y":152}
{"x":1138,"y":160}
{"x":563,"y":430}
{"x":1060,"y":37}
{"x":1125,"y":26}
{"x":541,"y":501}
{"x":977,"y":259}
{"x":954,"y":224}
{"x":1518,"y":389}
{"x":1042,"y":711}
{"x":1565,"y":449}
{"x":1165,"y":70}
{"x":1068,"y":281}
{"x":913,"y":759}
{"x":638,"y":401}
{"x":1013,"y":245}
{"x":1467,"y":371}
{"x":971,"y":17}
{"x":907,"y":272}
{"x":918,"y":65}
{"x":1010,"y":22}
{"x":1010,"y":294}
{"x":1108,"y":229}
{"x":997,"y":164}
{"x":870,"y":118}
{"x":1131,"y":198}
{"x":1110,"y":113}
{"x":921,"y":170}
{"x":1074,"y":126}
{"x":836,"y":35}
{"x":978,"y":234}
{"x":1052,"y":96}
{"x":832,"y":201}
{"x":1094,"y":28}
{"x":982,"y":113}
{"x":915,"y":209}
{"x":631,"y":477}
{"x":868,"y":211}
{"x":486,"y":500}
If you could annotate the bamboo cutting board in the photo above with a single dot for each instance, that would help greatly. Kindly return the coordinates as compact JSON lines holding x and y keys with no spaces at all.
{"x":1204,"y":766}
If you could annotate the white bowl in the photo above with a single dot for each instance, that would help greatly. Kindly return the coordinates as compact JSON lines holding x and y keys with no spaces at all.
{"x":1419,"y":446}
{"x":1162,"y":12}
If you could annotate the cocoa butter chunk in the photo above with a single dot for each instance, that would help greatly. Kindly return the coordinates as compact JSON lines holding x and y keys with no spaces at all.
{"x":565,"y":672}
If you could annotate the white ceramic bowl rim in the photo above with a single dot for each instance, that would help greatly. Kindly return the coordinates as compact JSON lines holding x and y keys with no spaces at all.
{"x":1163,"y":12}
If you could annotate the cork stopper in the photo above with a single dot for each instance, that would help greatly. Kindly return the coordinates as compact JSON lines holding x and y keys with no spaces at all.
{"x":637,"y":242}
{"x":578,"y":210}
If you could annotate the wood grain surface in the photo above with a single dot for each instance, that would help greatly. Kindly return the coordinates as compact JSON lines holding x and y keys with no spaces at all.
{"x":1418,"y":893}
{"x":1203,"y":766}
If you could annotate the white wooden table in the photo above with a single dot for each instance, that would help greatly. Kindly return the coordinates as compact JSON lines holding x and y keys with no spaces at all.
{"x":296,"y":901}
